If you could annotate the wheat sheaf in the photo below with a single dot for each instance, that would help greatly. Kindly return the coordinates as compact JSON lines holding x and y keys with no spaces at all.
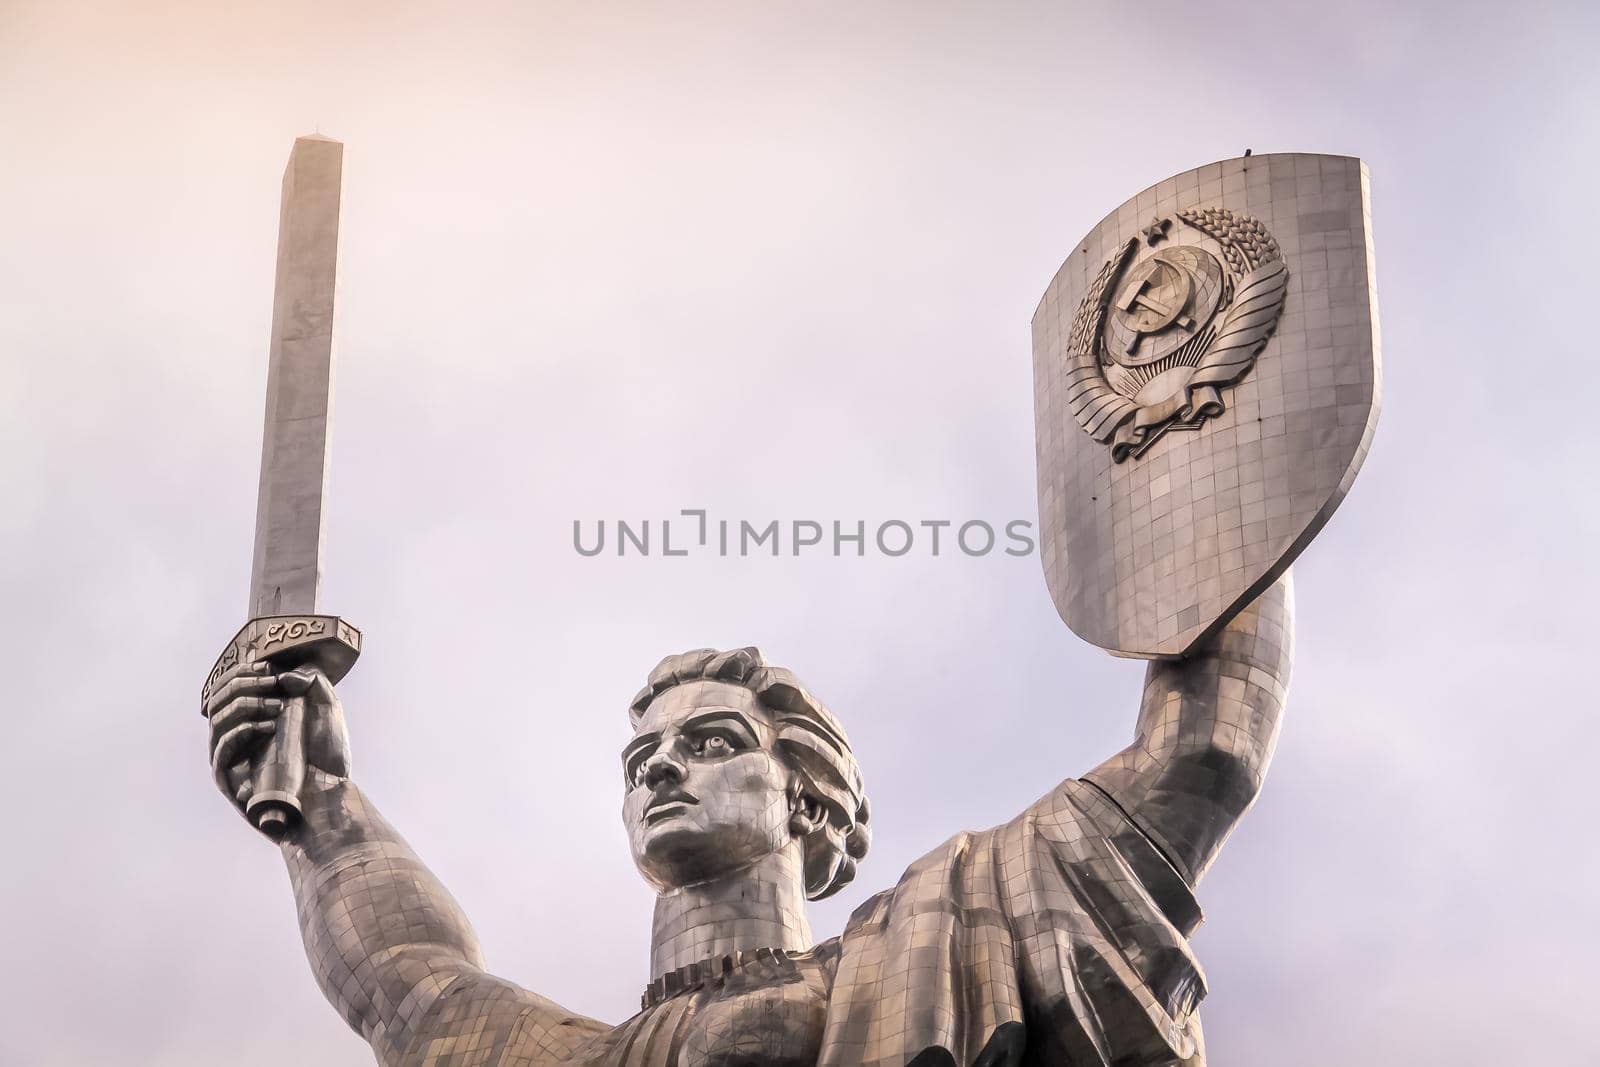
{"x":1098,"y":408}
{"x":1248,"y":323}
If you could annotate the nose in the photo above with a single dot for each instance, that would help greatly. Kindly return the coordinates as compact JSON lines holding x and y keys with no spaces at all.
{"x":663,"y":766}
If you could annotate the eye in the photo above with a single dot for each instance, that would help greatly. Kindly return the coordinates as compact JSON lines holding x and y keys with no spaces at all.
{"x":712,"y":745}
{"x":633,"y":769}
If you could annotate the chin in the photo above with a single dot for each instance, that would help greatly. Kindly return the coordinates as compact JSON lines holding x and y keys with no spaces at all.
{"x":662,"y":850}
{"x":679,"y":851}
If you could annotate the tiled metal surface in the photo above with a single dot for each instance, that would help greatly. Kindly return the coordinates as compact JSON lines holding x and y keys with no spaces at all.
{"x":1057,"y":938}
{"x":1153,"y":535}
{"x":287,"y":566}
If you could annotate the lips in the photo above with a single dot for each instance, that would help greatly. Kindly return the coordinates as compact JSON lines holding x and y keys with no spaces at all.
{"x":672,"y":803}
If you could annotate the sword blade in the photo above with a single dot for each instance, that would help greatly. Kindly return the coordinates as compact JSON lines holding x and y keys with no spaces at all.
{"x":286,"y":572}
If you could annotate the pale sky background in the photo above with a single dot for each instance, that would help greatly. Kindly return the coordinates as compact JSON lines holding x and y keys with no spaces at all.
{"x":775,"y":261}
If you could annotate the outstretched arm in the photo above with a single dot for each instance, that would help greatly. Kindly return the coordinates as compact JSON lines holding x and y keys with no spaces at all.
{"x":1207,"y":726}
{"x":387,"y":943}
{"x":383,"y":936}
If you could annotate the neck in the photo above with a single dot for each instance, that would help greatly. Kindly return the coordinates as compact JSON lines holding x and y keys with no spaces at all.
{"x":761,"y":906}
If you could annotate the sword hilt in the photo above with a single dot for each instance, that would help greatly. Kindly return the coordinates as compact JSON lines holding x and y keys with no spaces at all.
{"x":286,"y":642}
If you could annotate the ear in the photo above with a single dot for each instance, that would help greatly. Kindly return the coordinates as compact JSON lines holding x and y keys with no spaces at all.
{"x":806,"y":815}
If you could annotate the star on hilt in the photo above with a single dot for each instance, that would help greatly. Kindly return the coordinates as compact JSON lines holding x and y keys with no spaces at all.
{"x":1156,"y":232}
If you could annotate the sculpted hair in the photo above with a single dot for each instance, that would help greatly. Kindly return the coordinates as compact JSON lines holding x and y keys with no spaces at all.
{"x":811,"y":743}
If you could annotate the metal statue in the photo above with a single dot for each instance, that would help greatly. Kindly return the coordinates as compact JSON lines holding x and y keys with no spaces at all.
{"x":1166,"y":359}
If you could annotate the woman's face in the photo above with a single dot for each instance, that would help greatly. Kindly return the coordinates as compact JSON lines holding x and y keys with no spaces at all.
{"x":706,"y":792}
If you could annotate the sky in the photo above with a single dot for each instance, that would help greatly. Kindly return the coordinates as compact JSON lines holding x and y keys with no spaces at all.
{"x":607,"y":261}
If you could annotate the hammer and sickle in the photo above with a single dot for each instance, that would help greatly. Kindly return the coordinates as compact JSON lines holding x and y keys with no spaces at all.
{"x":1157,"y":300}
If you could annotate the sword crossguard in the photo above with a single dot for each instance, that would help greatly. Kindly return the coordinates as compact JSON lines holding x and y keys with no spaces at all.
{"x":286,"y":642}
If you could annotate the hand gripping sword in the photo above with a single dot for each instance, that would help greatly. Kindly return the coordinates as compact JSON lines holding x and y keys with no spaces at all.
{"x":285,"y":629}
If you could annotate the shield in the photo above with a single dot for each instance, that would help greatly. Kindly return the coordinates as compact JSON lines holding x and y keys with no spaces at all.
{"x":1206,"y":386}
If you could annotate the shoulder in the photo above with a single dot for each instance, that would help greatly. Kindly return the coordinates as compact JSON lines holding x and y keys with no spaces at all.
{"x":966,"y":859}
{"x":977,"y":875}
{"x":483,"y":1021}
{"x":1048,"y":921}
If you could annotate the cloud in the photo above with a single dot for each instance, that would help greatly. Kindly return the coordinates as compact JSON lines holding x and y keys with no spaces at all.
{"x":615,"y":263}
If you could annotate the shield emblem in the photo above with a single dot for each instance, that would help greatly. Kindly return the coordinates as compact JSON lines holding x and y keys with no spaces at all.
{"x":1206,"y":386}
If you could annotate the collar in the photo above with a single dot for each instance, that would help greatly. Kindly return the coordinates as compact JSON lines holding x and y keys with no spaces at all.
{"x":711,"y":972}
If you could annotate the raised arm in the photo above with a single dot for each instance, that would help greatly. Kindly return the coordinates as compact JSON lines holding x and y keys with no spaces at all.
{"x":383,"y":936}
{"x":1207,"y":726}
{"x":388,"y":945}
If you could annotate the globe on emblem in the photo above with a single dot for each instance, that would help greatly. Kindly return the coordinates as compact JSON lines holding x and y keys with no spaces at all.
{"x":1165,"y":301}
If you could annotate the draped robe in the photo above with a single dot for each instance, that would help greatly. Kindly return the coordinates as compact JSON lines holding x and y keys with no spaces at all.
{"x":1058,"y":938}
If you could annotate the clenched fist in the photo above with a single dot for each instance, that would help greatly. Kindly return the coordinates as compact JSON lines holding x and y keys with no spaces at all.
{"x":274,"y":734}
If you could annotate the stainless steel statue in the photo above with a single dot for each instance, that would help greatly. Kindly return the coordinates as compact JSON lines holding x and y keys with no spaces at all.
{"x":1057,"y":938}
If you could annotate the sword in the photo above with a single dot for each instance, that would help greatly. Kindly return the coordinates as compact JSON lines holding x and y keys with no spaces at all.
{"x":285,"y":628}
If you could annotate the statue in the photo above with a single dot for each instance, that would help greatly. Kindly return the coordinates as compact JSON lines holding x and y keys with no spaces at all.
{"x":1059,"y":937}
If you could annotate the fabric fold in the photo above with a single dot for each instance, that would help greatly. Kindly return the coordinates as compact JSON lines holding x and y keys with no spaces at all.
{"x":1059,"y":937}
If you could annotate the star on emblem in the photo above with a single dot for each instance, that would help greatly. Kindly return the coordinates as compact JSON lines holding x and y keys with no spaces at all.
{"x":1156,"y":232}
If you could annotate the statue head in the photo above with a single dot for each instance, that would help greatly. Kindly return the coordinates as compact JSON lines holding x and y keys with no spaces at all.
{"x":732,"y":760}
